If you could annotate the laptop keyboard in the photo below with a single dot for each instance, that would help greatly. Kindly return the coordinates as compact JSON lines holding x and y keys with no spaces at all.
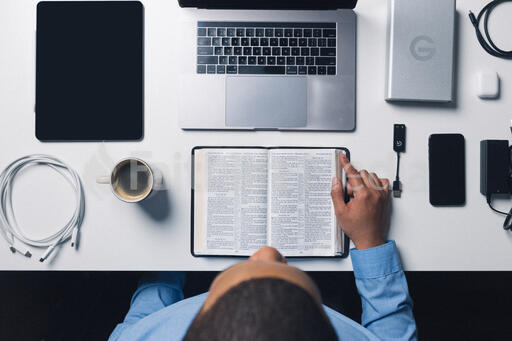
{"x":256,"y":48}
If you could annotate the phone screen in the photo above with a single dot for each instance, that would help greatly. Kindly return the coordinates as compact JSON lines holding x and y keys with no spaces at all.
{"x":447,"y":170}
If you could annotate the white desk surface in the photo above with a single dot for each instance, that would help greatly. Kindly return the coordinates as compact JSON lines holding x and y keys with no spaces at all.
{"x":156,"y":236}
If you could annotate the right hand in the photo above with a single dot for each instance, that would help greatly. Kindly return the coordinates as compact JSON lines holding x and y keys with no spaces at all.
{"x":365,"y":218}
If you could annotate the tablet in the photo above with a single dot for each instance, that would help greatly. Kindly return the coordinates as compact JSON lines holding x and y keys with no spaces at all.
{"x":89,"y":71}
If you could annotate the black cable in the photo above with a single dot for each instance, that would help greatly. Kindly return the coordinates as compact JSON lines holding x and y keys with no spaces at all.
{"x":507,"y":224}
{"x":488,"y":45}
{"x":397,"y":185}
{"x":397,"y":166}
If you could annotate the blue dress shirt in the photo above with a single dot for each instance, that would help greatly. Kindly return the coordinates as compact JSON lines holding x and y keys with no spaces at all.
{"x":158,"y":311}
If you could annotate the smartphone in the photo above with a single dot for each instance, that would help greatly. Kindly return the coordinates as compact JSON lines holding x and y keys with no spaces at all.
{"x":447,"y":169}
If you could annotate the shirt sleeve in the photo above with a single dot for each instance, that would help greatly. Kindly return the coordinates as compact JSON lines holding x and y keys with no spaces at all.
{"x":381,"y":283}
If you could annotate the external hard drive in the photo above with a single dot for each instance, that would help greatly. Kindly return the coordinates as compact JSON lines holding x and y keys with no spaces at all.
{"x":420,"y":50}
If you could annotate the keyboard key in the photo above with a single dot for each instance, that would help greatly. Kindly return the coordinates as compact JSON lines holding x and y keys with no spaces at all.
{"x":262,"y":60}
{"x":297,"y":33}
{"x":281,"y":60}
{"x":242,"y":60}
{"x":312,"y":42}
{"x":329,"y":33}
{"x":293,"y":42}
{"x":311,"y":70}
{"x":244,"y":42}
{"x":207,"y":60}
{"x":276,"y":51}
{"x":221,"y":69}
{"x":299,"y":60}
{"x":255,"y":42}
{"x":285,"y":51}
{"x":278,"y":32}
{"x":256,"y":51}
{"x":218,"y":51}
{"x":331,"y":70}
{"x":216,"y":41}
{"x":201,"y":31}
{"x":232,"y":69}
{"x":303,"y":70}
{"x":303,"y":42}
{"x":228,"y":51}
{"x":240,"y":32}
{"x":226,"y":41}
{"x":212,"y":32}
{"x":264,"y":42}
{"x":269,"y":32}
{"x":221,"y":32}
{"x":231,"y":32}
{"x":274,"y":42}
{"x":260,"y":32}
{"x":315,"y":51}
{"x":259,"y":70}
{"x":317,"y":33}
{"x":223,"y":60}
{"x":288,"y":32}
{"x":325,"y":61}
{"x":304,"y":51}
{"x":251,"y":60}
{"x":201,"y":69}
{"x":211,"y":69}
{"x":235,"y":41}
{"x":290,"y":60}
{"x":308,"y":32}
{"x":267,"y":51}
{"x":283,"y":41}
{"x":296,"y":51}
{"x":310,"y":61}
{"x":331,"y":42}
{"x":291,"y":70}
{"x":233,"y":60}
{"x":204,"y":41}
{"x":247,"y":51}
{"x":249,"y":32}
{"x":271,"y":60}
{"x":328,"y":52}
{"x":237,"y":51}
{"x":322,"y":42}
{"x":322,"y":70}
{"x":204,"y":50}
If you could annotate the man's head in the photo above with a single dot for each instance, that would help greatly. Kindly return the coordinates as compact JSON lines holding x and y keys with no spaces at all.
{"x":262,"y":299}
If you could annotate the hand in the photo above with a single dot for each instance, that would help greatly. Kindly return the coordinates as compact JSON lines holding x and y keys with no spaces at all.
{"x":365,"y":218}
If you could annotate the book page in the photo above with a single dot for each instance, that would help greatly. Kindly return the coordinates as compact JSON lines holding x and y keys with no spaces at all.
{"x":230,"y":201}
{"x":301,"y":216}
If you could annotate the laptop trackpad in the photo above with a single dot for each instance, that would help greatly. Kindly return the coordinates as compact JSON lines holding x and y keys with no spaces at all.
{"x":266,"y":102}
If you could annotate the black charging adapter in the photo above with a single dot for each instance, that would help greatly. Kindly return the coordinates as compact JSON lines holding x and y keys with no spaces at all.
{"x":398,"y":147}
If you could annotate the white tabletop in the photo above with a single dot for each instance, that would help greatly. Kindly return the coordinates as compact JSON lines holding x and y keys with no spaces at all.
{"x":156,"y":235}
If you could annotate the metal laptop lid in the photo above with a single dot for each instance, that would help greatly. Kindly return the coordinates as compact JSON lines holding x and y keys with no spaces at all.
{"x":269,"y":4}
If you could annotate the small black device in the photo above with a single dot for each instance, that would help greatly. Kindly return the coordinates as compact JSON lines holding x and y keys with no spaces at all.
{"x":447,"y":169}
{"x":89,"y":71}
{"x":494,"y":167}
{"x":269,"y":4}
{"x":398,"y":147}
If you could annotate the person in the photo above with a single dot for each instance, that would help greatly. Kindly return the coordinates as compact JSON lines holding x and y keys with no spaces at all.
{"x":264,"y":298}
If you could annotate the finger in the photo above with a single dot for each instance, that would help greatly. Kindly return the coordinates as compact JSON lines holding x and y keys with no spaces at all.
{"x":376,"y":181}
{"x":366,"y":179}
{"x":354,"y":179}
{"x":338,"y":199}
{"x":385,"y":184}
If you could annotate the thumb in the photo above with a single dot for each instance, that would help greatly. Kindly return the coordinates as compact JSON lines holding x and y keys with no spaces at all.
{"x":338,"y":198}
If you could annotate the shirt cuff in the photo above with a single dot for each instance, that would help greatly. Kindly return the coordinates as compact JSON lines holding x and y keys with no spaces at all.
{"x":376,"y":262}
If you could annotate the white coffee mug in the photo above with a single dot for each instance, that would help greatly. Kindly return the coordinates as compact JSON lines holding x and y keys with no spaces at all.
{"x":132,"y":180}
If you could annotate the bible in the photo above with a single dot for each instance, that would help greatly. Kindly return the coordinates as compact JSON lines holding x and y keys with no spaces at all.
{"x":244,"y":198}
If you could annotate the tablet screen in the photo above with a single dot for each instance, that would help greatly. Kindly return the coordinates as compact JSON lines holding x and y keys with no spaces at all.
{"x":89,"y":71}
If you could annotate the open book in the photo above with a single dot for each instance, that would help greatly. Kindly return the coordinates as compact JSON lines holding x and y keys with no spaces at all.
{"x":248,"y":197}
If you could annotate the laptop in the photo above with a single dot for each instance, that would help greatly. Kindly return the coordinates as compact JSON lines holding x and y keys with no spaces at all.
{"x":267,"y":65}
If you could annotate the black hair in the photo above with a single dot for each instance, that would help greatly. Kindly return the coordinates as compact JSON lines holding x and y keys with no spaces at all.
{"x":262,"y":309}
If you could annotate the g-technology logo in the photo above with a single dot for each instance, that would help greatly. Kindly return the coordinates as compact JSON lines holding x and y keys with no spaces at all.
{"x":422,"y":48}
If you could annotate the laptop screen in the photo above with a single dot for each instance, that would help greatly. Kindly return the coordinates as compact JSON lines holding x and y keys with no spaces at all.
{"x":269,"y":4}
